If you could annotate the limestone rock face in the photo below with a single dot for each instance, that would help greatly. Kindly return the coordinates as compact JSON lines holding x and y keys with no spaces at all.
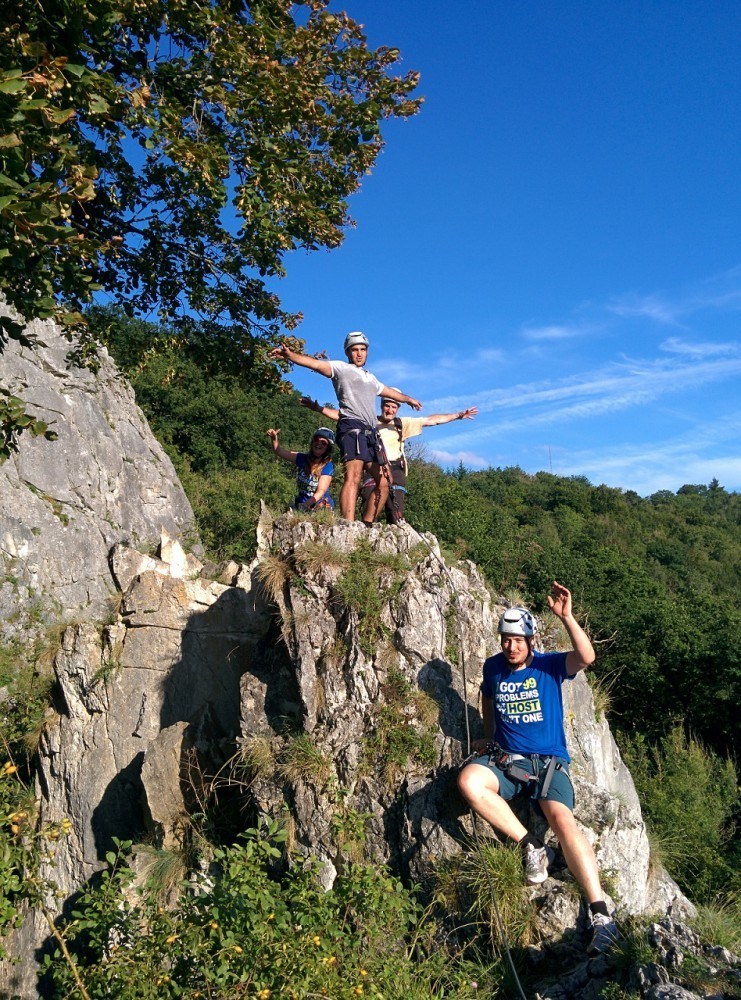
{"x":64,"y":504}
{"x":342,"y":667}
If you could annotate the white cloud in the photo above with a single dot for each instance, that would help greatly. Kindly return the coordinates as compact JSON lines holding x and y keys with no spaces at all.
{"x":555,"y":332}
{"x":469,"y":458}
{"x":698,"y":349}
{"x":706,"y":452}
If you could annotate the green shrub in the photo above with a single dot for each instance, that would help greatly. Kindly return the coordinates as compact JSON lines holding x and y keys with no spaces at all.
{"x":689,"y":797}
{"x":370,"y":581}
{"x":465,"y":883}
{"x":247,"y":931}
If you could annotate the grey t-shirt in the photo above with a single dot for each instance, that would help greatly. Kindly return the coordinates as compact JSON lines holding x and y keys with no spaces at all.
{"x":356,"y":391}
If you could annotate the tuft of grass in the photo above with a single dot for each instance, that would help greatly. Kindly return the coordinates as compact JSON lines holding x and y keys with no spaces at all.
{"x":602,"y":686}
{"x":633,"y":947}
{"x":370,"y":581}
{"x":162,"y":870}
{"x":463,"y":884}
{"x":719,"y":923}
{"x":334,"y":653}
{"x":256,"y":756}
{"x":513,"y":597}
{"x":404,"y":730}
{"x":301,"y":760}
{"x":314,"y":556}
{"x":273,"y":574}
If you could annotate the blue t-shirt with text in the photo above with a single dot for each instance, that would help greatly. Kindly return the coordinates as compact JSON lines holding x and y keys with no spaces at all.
{"x":306,"y":482}
{"x":528,"y":706}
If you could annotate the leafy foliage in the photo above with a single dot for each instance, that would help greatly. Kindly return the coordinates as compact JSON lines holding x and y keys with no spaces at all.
{"x":252,"y":930}
{"x":690,"y":799}
{"x":23,"y":844}
{"x":171,"y":154}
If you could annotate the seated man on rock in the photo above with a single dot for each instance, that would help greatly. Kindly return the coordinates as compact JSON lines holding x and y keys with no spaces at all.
{"x":524,"y":751}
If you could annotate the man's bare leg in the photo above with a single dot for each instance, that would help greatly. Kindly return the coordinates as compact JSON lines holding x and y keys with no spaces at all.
{"x":576,"y":848}
{"x":480,"y":788}
{"x":349,"y":491}
{"x":377,"y":500}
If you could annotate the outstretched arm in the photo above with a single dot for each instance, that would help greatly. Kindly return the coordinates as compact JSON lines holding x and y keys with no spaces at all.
{"x":582,"y":655}
{"x":305,"y":360}
{"x":288,"y":456}
{"x":400,"y":397}
{"x":327,"y":411}
{"x":435,"y":419}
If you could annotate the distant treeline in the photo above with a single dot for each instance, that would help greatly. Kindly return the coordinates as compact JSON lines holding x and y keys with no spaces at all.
{"x":657,"y":577}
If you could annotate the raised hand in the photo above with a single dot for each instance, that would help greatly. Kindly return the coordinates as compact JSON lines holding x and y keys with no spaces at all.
{"x":559,"y":600}
{"x":282,"y":351}
{"x":470,"y":413}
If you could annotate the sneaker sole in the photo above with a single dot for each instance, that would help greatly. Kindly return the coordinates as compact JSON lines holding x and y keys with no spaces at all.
{"x":536,"y":879}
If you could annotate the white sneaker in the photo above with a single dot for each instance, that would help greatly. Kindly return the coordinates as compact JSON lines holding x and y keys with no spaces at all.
{"x":604,"y":934}
{"x":537,"y":860}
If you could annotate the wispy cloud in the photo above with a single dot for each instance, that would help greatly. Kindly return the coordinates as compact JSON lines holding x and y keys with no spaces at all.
{"x":469,"y":458}
{"x":556,"y":331}
{"x":654,"y":307}
{"x":705,"y":452}
{"x":719,"y":292}
{"x":699,"y":349}
{"x":617,"y":387}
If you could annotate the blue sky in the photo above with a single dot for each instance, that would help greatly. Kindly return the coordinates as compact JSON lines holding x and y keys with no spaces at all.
{"x":555,"y":238}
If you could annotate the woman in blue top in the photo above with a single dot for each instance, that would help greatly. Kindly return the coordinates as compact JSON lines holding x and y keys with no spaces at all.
{"x":314,"y":469}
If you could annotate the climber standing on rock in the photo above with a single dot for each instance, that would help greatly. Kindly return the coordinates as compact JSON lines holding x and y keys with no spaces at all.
{"x":524,"y":751}
{"x":394,"y":432}
{"x":357,"y":436}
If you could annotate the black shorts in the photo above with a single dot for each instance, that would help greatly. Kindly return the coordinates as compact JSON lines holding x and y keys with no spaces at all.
{"x":358,"y":442}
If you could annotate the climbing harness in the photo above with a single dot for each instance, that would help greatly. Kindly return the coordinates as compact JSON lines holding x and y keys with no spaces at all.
{"x":500,"y":923}
{"x":511,"y":765}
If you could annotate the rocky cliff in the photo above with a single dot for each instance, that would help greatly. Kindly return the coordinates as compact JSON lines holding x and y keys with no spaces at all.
{"x":339,"y":672}
{"x":332,"y":682}
{"x":65,"y":503}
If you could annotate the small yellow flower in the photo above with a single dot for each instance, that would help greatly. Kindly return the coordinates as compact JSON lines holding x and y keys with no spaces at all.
{"x":213,"y":925}
{"x":363,"y":972}
{"x":264,"y":994}
{"x":271,"y":916}
{"x":172,"y":939}
{"x":15,"y":828}
{"x":316,"y":939}
{"x":9,"y":768}
{"x":358,"y":990}
{"x":237,"y":949}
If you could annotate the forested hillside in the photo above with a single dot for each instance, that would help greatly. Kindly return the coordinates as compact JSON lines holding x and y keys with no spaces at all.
{"x":655,"y":578}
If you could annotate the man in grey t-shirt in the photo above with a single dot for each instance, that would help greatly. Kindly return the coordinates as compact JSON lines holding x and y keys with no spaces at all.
{"x":357,"y":437}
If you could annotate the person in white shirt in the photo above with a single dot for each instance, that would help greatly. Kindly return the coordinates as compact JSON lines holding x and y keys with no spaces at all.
{"x":357,"y":436}
{"x":394,"y":431}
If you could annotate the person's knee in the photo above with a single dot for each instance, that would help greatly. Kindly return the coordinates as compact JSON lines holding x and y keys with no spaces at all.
{"x":353,"y":472}
{"x":560,"y":819}
{"x":473,"y":781}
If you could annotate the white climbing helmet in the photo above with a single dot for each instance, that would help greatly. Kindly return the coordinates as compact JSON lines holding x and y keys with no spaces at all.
{"x":518,"y":621}
{"x":354,"y":338}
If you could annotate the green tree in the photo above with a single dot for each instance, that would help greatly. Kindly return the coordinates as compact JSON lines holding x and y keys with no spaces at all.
{"x":172,"y":153}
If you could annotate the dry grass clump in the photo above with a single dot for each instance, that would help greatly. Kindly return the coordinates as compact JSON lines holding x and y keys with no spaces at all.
{"x":311,"y":557}
{"x":273,"y":574}
{"x":256,"y":756}
{"x":301,"y":760}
